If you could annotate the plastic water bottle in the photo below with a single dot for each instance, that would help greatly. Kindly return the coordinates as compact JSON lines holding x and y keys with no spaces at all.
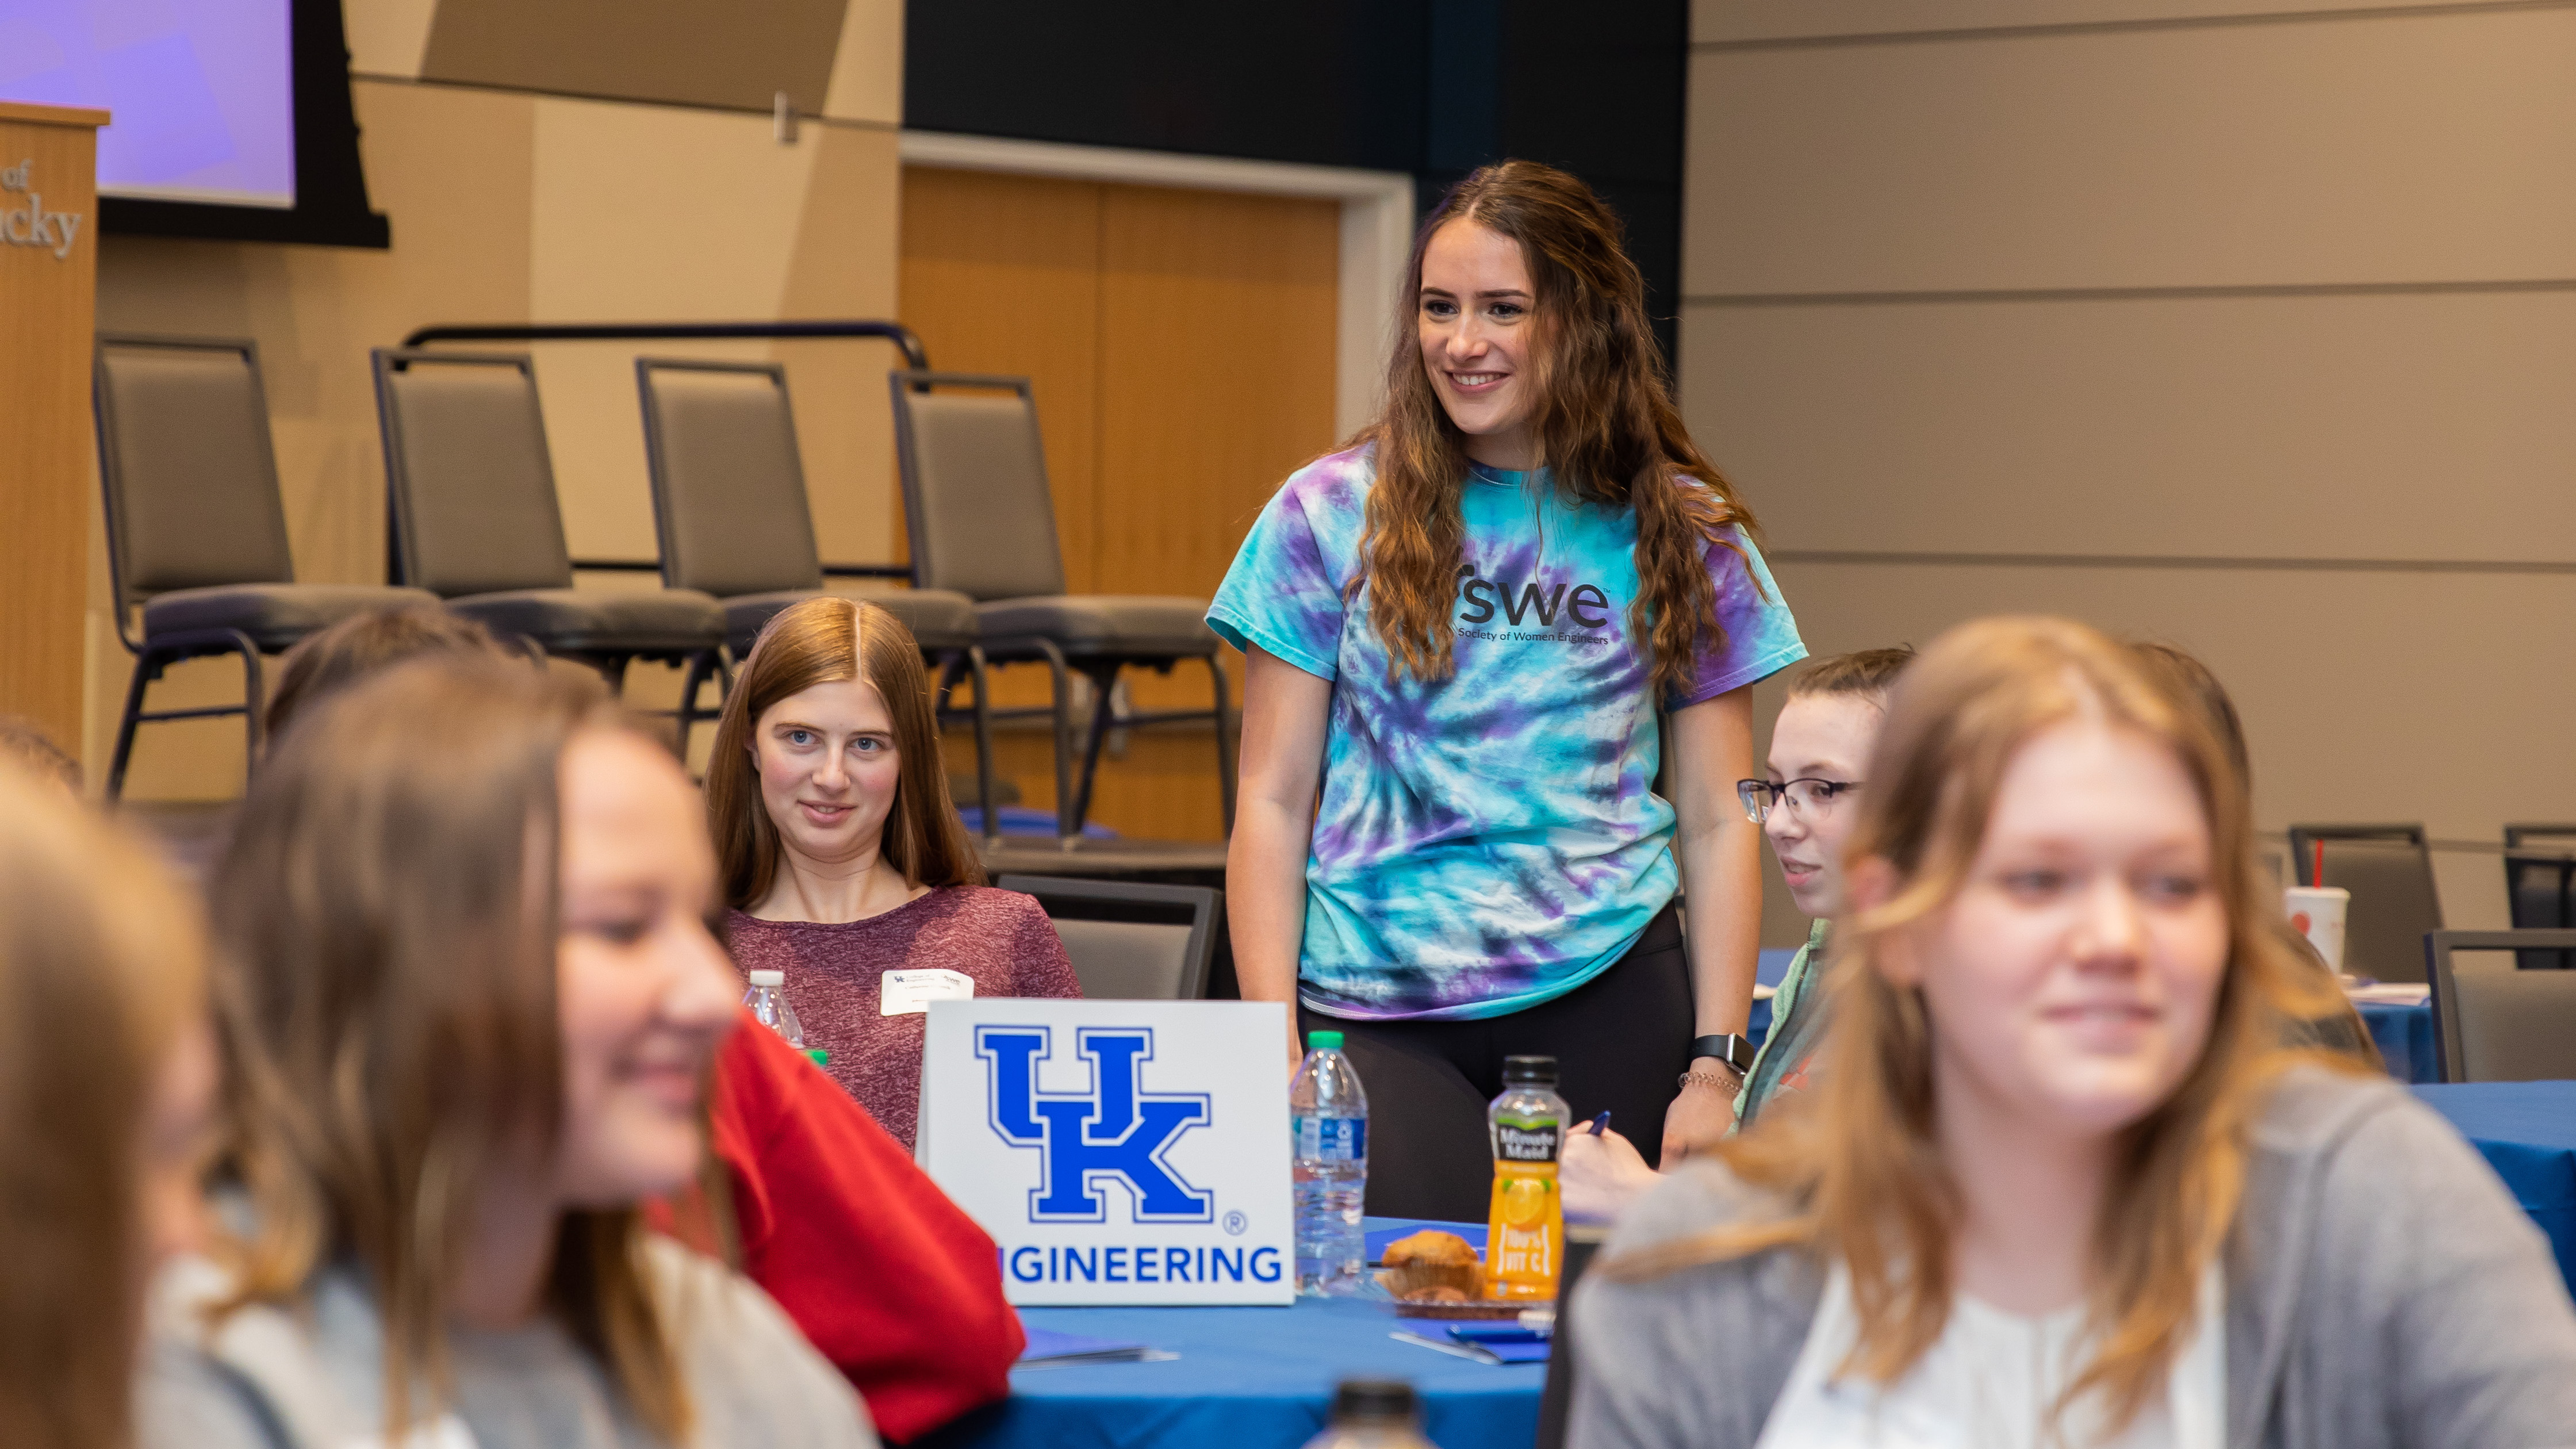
{"x":1373,"y":1414}
{"x":767,"y":999}
{"x":1328,"y":1144}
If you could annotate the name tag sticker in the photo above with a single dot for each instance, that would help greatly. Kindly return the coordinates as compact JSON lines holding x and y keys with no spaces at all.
{"x":909,"y":993}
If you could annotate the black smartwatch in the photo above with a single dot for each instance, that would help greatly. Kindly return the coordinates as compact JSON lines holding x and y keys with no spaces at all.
{"x":1727,"y":1047}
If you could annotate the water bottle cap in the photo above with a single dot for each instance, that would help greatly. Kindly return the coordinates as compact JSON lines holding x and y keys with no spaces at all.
{"x":1539,"y":1071}
{"x":1319,"y":1041}
{"x":1381,"y":1400}
{"x":821,"y":1057}
{"x":769,"y":978}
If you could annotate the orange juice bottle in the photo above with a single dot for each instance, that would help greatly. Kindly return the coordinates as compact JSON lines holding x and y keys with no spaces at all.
{"x":1525,"y":1233}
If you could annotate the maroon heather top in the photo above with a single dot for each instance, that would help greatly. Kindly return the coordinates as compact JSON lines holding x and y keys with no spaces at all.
{"x":835,"y":980}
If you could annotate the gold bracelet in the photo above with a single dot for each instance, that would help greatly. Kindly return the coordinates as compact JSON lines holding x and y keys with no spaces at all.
{"x":1711,"y":1080}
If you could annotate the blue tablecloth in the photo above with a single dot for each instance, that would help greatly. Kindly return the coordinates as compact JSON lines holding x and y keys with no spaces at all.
{"x":2404,"y":1035}
{"x":1248,"y":1378}
{"x":2527,"y":1132}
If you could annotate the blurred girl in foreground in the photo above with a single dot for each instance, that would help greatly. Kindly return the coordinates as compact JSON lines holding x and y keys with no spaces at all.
{"x":470,"y":1002}
{"x":2060,"y":1183}
{"x":107,"y":1078}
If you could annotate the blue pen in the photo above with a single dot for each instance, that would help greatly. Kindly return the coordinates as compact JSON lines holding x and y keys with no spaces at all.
{"x":1600,"y":1124}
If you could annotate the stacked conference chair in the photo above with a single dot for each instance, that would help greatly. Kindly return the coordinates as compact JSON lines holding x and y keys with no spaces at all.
{"x":2540,"y":885}
{"x":730,"y":506}
{"x":473,"y":517}
{"x":2499,"y":1023}
{"x":983,"y":523}
{"x":2389,"y":870}
{"x":196,"y":532}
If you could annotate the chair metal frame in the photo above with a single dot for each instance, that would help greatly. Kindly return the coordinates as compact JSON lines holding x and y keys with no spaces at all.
{"x":2444,"y":993}
{"x":1073,"y":791}
{"x":1206,"y":905}
{"x":152,"y":659}
{"x":948,"y":661}
{"x":698,"y":664}
{"x":2518,"y":861}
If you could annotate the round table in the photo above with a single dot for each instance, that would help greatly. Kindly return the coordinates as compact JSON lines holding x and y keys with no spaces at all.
{"x":2527,"y":1133}
{"x":1248,"y":1378}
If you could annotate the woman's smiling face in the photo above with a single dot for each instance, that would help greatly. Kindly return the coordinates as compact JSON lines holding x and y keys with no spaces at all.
{"x":828,"y":769}
{"x":1475,"y":319}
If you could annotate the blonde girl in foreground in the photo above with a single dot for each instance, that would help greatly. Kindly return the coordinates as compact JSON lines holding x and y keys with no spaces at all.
{"x":107,"y":1082}
{"x":2060,"y":1186}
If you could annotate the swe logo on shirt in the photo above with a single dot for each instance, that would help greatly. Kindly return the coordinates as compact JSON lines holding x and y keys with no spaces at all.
{"x":1584,"y":606}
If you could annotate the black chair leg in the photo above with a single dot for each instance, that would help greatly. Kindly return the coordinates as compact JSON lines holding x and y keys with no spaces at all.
{"x":983,"y":745}
{"x":694,"y":678}
{"x":146,"y":665}
{"x":254,"y":707}
{"x":1104,"y":683}
{"x":1225,"y":769}
{"x":1066,"y":832}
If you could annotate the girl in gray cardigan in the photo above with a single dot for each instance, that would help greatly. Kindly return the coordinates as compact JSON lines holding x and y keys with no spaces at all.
{"x":471,"y":1004}
{"x":2060,"y":1184}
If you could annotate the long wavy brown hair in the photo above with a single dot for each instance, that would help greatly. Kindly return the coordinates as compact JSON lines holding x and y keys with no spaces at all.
{"x":826,"y":640}
{"x":1605,"y":424}
{"x":1858,"y":1163}
{"x":102,"y":966}
{"x":387,"y":913}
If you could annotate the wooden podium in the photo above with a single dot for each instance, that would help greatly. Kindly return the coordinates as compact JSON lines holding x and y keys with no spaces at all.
{"x":48,"y":291}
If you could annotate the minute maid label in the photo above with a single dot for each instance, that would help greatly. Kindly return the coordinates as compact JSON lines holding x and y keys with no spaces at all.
{"x":1527,"y":1142}
{"x":1328,"y":1139}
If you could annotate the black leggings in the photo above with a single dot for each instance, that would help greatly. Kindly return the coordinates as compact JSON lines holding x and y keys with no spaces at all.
{"x":1621,"y":1042}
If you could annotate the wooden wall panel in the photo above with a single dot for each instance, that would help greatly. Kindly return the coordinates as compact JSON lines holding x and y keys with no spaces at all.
{"x":1738,"y":22}
{"x":2374,"y":426}
{"x":1001,"y":274}
{"x":2408,"y":148}
{"x":1183,"y":348}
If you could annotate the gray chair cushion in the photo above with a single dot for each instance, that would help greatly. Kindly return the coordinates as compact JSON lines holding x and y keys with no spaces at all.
{"x":938,"y":619}
{"x":570,"y":621}
{"x":1101,"y":624}
{"x":275,"y":616}
{"x":1126,"y":960}
{"x":2516,"y":1026}
{"x":728,"y":486}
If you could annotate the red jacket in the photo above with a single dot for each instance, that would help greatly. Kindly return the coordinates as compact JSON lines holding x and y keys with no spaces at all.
{"x":884,"y":1274}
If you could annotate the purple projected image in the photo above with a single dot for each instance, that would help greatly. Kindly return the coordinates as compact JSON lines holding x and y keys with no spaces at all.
{"x":200,"y":91}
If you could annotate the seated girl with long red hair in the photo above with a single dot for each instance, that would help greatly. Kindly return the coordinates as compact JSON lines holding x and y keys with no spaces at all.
{"x":843,"y":859}
{"x":2062,"y":1183}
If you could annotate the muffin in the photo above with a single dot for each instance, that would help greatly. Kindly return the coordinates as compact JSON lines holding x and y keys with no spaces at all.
{"x":1433,"y":1266}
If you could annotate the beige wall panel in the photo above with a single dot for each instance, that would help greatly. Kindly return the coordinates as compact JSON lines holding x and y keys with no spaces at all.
{"x":2379,"y":426}
{"x":452,"y":168}
{"x":388,"y":37}
{"x":867,"y":70}
{"x":1722,"y":21}
{"x":689,"y":51}
{"x":2402,"y":148}
{"x":654,"y":214}
{"x":2366,"y":696}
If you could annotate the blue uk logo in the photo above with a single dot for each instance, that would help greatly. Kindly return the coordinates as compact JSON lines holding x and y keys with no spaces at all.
{"x":1116,"y":1130}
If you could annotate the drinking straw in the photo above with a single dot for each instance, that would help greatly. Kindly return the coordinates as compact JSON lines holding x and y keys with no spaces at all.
{"x":2317,"y":877}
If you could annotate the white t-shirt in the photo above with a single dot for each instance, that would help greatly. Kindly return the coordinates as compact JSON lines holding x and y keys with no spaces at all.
{"x":1989,"y":1383}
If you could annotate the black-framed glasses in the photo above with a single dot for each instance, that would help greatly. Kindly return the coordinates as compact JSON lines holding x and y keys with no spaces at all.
{"x":1811,"y":798}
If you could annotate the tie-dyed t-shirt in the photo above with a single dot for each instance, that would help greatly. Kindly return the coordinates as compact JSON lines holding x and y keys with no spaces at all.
{"x":1492,"y":841}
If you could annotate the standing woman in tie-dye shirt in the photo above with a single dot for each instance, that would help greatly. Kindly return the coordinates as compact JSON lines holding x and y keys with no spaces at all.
{"x":1462,"y":628}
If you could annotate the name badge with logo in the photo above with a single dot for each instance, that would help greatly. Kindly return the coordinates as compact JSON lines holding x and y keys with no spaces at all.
{"x":1117,"y":1151}
{"x":909,"y":993}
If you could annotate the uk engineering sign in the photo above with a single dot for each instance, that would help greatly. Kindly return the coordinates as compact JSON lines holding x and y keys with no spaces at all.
{"x":1117,"y":1151}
